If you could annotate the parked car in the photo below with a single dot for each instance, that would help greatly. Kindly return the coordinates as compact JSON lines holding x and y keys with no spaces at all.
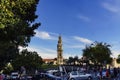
{"x":57,"y":75}
{"x":52,"y":77}
{"x":46,"y":76}
{"x":25,"y":77}
{"x":77,"y":75}
{"x":14,"y":76}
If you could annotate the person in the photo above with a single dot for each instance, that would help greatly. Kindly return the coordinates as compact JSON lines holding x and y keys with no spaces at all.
{"x":107,"y":73}
{"x":115,"y":73}
{"x":5,"y":77}
{"x":36,"y":72}
{"x":1,"y":77}
{"x":100,"y":73}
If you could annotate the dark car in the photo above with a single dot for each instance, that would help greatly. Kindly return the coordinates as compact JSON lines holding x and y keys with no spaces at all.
{"x":52,"y":77}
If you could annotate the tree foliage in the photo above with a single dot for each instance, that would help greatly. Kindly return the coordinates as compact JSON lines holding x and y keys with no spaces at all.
{"x":118,"y":59}
{"x":12,"y":11}
{"x":98,"y":52}
{"x":6,"y":14}
{"x":16,"y":27}
{"x":30,"y":60}
{"x":72,"y":60}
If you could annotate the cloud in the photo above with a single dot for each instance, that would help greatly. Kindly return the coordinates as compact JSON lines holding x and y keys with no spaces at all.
{"x":76,"y":46}
{"x":113,"y":6}
{"x":115,"y":53}
{"x":84,"y":18}
{"x":45,"y":35}
{"x":84,"y":40}
{"x":48,"y":53}
{"x":43,"y":52}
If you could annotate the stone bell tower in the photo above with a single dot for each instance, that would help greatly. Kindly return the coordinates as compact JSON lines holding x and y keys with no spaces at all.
{"x":59,"y":51}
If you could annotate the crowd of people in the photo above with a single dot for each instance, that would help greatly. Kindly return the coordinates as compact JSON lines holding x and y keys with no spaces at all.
{"x":104,"y":73}
{"x":2,"y":77}
{"x":98,"y":73}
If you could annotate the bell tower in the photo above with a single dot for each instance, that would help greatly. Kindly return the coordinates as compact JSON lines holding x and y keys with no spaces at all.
{"x":59,"y":51}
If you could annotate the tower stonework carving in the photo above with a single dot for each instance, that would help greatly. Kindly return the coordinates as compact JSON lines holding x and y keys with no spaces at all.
{"x":59,"y":51}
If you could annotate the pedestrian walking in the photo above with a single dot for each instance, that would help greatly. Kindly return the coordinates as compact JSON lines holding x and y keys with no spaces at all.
{"x":100,"y":73}
{"x":115,"y":73}
{"x":1,"y":77}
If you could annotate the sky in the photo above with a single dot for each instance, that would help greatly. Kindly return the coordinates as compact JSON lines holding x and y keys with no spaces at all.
{"x":79,"y":22}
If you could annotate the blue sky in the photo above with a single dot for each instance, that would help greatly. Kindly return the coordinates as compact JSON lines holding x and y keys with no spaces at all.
{"x":79,"y":22}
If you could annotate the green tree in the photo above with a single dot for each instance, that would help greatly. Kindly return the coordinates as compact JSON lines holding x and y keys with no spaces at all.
{"x":75,"y":59}
{"x":12,"y":11}
{"x":118,"y":59}
{"x":98,"y":52}
{"x":30,"y":60}
{"x":16,"y":27}
{"x":8,"y":68}
{"x":6,"y":13}
{"x":84,"y":60}
{"x":72,"y":60}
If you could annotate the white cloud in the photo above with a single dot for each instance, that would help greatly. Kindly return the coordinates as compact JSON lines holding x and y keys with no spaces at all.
{"x":84,"y":40}
{"x":84,"y":18}
{"x":44,"y":35}
{"x":76,"y":46}
{"x":43,"y":52}
{"x":20,"y":48}
{"x":115,"y":48}
{"x":115,"y":53}
{"x":113,"y":6}
{"x":50,"y":53}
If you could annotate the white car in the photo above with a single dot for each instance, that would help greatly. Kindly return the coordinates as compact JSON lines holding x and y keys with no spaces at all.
{"x":14,"y":75}
{"x":77,"y":75}
{"x":56,"y":75}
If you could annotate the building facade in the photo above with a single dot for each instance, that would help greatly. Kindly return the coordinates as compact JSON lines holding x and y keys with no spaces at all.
{"x":49,"y":61}
{"x":114,"y":63}
{"x":59,"y":51}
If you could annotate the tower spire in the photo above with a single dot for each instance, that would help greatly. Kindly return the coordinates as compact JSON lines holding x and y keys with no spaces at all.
{"x":59,"y":51}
